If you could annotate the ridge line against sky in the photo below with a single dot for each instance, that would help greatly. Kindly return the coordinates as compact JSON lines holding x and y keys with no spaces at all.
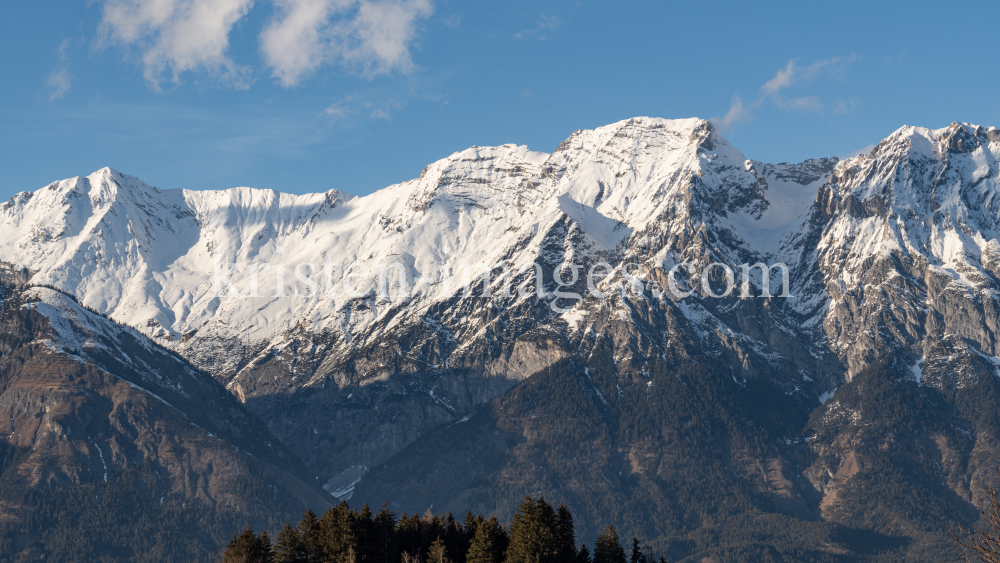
{"x":308,"y":95}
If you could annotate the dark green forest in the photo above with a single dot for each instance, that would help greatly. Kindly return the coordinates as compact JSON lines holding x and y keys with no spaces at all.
{"x":538,"y":533}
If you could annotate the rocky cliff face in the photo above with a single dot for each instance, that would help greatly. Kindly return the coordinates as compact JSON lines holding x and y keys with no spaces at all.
{"x":908,"y":244}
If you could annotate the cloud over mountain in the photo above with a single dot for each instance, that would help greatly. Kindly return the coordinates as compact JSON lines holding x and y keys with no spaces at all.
{"x":178,"y":36}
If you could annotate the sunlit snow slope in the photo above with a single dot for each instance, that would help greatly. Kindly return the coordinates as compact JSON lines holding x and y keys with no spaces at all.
{"x":151,"y":258}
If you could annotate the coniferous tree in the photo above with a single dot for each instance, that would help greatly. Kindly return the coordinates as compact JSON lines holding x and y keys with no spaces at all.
{"x":455,"y":539}
{"x":637,"y":556}
{"x":647,"y":554}
{"x":608,"y":548}
{"x":265,"y":549}
{"x":489,"y":544}
{"x":309,"y":533}
{"x":537,"y":534}
{"x":432,"y":527}
{"x":565,"y":536}
{"x":438,"y":553}
{"x":471,"y":524}
{"x":247,"y":547}
{"x":241,"y":545}
{"x":409,"y":535}
{"x":383,"y":538}
{"x":289,"y":548}
{"x":337,"y":534}
{"x":533,"y":533}
{"x":363,"y":532}
{"x":469,"y":528}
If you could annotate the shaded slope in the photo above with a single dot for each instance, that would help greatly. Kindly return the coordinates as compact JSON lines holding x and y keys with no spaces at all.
{"x":113,"y":447}
{"x":694,"y":462}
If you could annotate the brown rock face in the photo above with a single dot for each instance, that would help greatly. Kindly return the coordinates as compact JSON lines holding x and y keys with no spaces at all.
{"x":87,"y":405}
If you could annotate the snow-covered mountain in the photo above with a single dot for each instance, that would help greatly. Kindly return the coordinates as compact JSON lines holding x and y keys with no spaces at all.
{"x":909,"y":244}
{"x":150,"y":258}
{"x":879,"y":355}
{"x":894,"y":248}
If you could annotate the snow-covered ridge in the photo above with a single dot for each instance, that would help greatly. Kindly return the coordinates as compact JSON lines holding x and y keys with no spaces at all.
{"x":148,"y":257}
{"x":933,"y":194}
{"x":86,"y":336}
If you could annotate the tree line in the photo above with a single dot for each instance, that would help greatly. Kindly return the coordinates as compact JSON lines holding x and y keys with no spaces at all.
{"x":538,"y":533}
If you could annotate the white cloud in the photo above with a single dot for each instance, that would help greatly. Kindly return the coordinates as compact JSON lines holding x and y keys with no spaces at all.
{"x":379,"y":37}
{"x":846,"y":106}
{"x":373,"y":103}
{"x":783,"y":79}
{"x":737,"y":113}
{"x":292,"y":43}
{"x":807,"y":103}
{"x":174,"y":36}
{"x":385,"y":109}
{"x":62,"y":50}
{"x":58,"y":83}
{"x":369,"y":36}
{"x":339,"y":108}
{"x":543,"y":28}
{"x":178,"y":36}
{"x":791,"y":74}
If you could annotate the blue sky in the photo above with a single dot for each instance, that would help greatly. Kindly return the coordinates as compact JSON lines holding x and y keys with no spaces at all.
{"x":308,"y":95}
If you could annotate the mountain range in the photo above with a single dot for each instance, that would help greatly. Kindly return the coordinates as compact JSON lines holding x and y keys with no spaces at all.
{"x":515,"y":322}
